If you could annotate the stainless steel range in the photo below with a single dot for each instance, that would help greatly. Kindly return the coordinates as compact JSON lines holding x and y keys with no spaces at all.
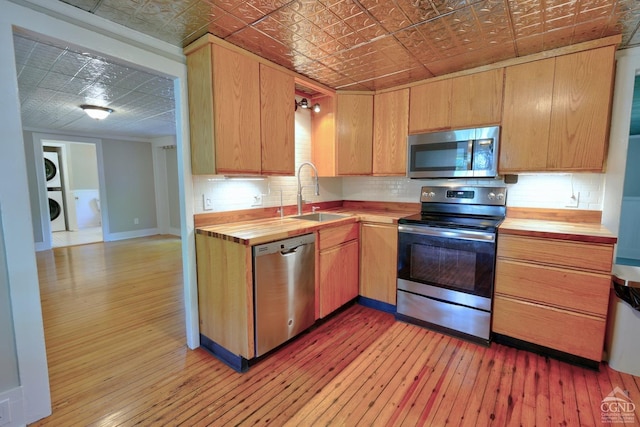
{"x":447,"y":257}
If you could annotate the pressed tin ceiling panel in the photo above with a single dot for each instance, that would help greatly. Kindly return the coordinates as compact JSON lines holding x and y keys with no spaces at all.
{"x":54,"y":80}
{"x":376,"y":44}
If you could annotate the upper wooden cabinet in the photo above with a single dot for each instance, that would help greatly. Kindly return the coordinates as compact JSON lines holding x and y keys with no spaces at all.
{"x":240,"y":114}
{"x":430,"y":106}
{"x":459,"y":102}
{"x":354,"y":134}
{"x":277,"y":95}
{"x":323,"y":136}
{"x":390,"y":127}
{"x":556,"y":113}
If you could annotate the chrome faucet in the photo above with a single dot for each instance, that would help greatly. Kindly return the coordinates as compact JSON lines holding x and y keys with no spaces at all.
{"x":300,"y":201}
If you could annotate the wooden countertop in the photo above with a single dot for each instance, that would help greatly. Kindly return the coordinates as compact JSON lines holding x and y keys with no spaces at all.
{"x":581,"y":232}
{"x":255,"y":232}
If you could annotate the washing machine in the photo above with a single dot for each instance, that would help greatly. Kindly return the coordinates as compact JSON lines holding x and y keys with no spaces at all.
{"x":52,"y":169}
{"x":56,"y":210}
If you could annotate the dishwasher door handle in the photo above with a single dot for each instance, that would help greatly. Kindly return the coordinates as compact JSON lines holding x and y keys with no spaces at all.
{"x":291,"y":251}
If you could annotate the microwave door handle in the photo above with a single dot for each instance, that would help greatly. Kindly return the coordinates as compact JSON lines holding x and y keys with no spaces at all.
{"x":469,"y":154}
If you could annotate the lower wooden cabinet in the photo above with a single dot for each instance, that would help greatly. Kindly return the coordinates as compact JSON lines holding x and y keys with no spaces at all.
{"x":338,"y":267}
{"x":378,"y":261}
{"x":226,"y":312}
{"x":553,"y":293}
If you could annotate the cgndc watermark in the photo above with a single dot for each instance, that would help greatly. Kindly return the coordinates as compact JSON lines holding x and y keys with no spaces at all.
{"x":617,"y":407}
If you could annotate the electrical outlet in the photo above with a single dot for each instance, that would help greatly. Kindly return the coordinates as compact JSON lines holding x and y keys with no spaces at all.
{"x":207,"y":202}
{"x":257,"y":200}
{"x":136,"y":221}
{"x":5,"y":412}
{"x":572,"y":202}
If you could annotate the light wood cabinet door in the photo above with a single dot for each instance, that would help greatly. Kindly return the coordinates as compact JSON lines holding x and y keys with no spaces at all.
{"x":391,"y":121}
{"x":225,"y":294}
{"x":580,"y":115}
{"x":277,"y":90}
{"x":354,"y":126}
{"x":528,"y":92}
{"x":323,"y":136}
{"x":378,"y":261}
{"x":574,"y":333}
{"x":338,"y":276}
{"x":200,"y":86}
{"x":477,"y":99}
{"x":430,"y":106}
{"x":236,"y":97}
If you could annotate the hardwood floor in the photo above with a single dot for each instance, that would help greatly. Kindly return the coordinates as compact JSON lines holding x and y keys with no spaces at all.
{"x":114,"y":328}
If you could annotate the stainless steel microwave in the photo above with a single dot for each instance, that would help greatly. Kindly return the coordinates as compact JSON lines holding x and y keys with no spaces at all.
{"x":464,"y":153}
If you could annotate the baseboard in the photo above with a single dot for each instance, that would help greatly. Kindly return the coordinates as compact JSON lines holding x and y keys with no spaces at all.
{"x":12,"y":407}
{"x":41,"y":246}
{"x":131,"y":234}
{"x":377,"y":305}
{"x":174,"y":231}
{"x":235,"y":362}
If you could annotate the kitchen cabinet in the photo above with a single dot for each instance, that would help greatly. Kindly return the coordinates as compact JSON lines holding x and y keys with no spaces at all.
{"x":460,"y":102}
{"x":277,"y":121}
{"x":557,"y":113}
{"x":391,"y":121}
{"x":323,"y":136}
{"x":553,"y":293}
{"x":240,"y":114}
{"x":225,"y":294}
{"x":354,"y":134}
{"x":378,"y":261}
{"x":338,"y":255}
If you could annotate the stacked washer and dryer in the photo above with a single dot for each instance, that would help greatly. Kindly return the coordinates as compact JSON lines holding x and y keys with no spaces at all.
{"x":54,"y":190}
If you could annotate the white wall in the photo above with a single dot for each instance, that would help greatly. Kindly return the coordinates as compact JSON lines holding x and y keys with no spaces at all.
{"x":98,"y":35}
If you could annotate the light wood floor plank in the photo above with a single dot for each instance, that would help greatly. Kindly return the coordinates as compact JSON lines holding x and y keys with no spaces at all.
{"x":114,"y":329}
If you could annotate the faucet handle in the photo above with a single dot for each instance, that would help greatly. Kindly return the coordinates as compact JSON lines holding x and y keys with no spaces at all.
{"x":314,"y":208}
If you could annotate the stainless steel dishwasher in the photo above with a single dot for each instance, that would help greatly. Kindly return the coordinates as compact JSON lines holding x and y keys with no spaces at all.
{"x":284,"y":290}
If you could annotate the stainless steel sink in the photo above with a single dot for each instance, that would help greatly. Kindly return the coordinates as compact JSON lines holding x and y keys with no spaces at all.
{"x":320,"y":216}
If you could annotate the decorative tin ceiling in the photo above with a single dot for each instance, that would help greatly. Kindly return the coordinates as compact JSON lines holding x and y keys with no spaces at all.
{"x":54,"y":80}
{"x":376,"y":44}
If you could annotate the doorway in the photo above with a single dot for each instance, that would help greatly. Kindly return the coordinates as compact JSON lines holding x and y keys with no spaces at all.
{"x":79,"y":220}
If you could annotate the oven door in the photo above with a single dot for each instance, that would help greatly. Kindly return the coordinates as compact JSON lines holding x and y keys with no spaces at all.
{"x":449,"y":265}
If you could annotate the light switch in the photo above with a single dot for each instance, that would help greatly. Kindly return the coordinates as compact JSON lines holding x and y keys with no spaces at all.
{"x":207,"y":202}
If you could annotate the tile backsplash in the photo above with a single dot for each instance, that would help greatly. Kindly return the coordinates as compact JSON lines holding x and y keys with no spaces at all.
{"x":532,"y":190}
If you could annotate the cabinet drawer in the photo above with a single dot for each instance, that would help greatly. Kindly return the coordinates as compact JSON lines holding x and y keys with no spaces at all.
{"x":577,"y":290}
{"x":587,"y":256}
{"x":336,"y":235}
{"x":566,"y":331}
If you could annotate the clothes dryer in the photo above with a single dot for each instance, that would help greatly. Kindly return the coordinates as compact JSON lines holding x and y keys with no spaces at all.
{"x":56,"y":210}
{"x":52,"y":169}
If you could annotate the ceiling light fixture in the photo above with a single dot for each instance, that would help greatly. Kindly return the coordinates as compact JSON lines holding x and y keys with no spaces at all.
{"x":304,"y":103}
{"x":95,"y":112}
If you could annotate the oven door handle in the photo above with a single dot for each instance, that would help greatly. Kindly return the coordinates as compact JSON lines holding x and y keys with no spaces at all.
{"x":479,"y":236}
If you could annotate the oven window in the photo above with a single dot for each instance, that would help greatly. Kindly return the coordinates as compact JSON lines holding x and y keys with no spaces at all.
{"x":448,"y":267}
{"x":461,"y":265}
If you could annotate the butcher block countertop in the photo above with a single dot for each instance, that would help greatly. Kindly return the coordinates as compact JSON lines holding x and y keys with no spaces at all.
{"x":258,"y":231}
{"x":580,"y":232}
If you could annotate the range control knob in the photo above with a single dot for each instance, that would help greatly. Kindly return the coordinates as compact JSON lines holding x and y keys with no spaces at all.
{"x":500,"y":196}
{"x":491,"y":196}
{"x":432,"y":194}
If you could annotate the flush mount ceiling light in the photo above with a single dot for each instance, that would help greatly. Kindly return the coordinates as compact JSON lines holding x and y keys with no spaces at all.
{"x":304,"y":103}
{"x":96,"y":112}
